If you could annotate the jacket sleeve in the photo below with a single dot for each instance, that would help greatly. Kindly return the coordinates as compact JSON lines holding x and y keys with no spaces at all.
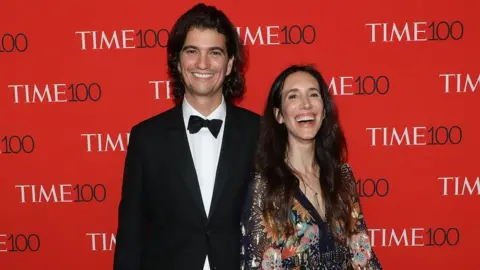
{"x":131,"y":219}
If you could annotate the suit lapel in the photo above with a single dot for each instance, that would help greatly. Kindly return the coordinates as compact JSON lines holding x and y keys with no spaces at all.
{"x":231,"y":144}
{"x":183,"y":156}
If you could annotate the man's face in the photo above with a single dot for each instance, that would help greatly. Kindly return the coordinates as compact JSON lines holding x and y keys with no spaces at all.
{"x":204,"y":62}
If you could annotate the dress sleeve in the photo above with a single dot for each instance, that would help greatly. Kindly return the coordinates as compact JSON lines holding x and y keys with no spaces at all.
{"x":362,"y":254}
{"x":259,"y":250}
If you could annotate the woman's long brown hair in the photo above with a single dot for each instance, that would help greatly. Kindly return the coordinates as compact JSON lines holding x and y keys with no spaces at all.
{"x":330,"y":154}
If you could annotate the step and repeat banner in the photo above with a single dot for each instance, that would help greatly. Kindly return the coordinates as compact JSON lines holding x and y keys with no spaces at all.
{"x":76,"y":76}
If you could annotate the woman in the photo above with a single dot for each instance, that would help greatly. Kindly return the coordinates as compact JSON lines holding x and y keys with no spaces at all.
{"x":303,"y":211}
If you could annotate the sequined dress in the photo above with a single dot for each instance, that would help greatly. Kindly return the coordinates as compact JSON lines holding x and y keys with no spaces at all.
{"x":313,"y":248}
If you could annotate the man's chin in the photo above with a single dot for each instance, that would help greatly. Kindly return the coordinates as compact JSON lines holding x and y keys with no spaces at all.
{"x":204,"y":92}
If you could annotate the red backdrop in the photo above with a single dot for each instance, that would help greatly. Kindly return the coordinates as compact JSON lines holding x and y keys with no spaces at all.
{"x":75,"y":77}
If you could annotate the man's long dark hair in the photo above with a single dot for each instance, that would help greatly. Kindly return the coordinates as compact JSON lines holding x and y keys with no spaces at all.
{"x":202,"y":16}
{"x":330,"y":154}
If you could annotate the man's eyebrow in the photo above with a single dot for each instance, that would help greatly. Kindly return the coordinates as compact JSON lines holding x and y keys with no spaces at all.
{"x":210,"y":49}
{"x":189,"y":47}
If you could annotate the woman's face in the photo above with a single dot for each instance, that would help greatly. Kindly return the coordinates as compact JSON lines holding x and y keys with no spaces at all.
{"x":302,"y":109}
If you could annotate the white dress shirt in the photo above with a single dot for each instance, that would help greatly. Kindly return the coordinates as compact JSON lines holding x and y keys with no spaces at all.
{"x":205,"y":149}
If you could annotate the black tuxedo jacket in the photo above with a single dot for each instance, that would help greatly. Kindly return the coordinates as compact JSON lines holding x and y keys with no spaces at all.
{"x":162,"y":222}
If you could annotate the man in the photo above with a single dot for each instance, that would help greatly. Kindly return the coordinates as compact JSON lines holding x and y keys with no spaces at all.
{"x":185,"y":178}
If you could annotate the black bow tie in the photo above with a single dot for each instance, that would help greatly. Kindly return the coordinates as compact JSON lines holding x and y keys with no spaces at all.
{"x":195,"y":123}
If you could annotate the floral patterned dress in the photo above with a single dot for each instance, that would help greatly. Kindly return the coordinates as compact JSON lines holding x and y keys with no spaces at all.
{"x":314,"y":247}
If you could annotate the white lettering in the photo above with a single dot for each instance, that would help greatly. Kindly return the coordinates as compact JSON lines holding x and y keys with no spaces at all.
{"x":392,"y":32}
{"x":470,"y":83}
{"x":393,"y":137}
{"x":45,"y":194}
{"x":392,"y":237}
{"x":343,"y":84}
{"x":40,"y":94}
{"x":157,"y":88}
{"x":36,"y":93}
{"x":248,"y":35}
{"x":415,"y":236}
{"x":22,"y":191}
{"x":270,"y":35}
{"x":125,"y":39}
{"x":108,"y":144}
{"x":94,"y":245}
{"x":3,"y":243}
{"x":47,"y":197}
{"x":15,"y":90}
{"x":108,"y":40}
{"x":83,"y":38}
{"x":457,"y":183}
{"x":106,"y":239}
{"x":57,"y":92}
{"x":117,"y":142}
{"x":104,"y":39}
